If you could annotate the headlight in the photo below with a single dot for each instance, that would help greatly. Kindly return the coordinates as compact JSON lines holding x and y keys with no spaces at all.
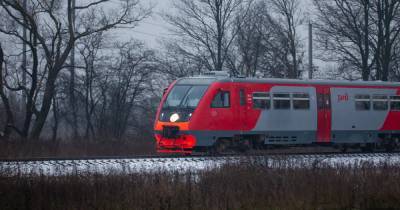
{"x":174,"y":117}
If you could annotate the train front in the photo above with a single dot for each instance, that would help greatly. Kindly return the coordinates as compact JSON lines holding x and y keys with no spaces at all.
{"x":173,"y":119}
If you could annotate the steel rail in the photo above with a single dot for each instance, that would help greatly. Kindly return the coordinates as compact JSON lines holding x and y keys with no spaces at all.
{"x":195,"y":156}
{"x":181,"y":164}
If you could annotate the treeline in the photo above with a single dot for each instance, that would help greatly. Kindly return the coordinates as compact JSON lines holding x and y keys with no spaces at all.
{"x":66,"y":71}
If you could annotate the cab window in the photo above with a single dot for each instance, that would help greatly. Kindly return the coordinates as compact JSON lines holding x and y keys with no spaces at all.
{"x":221,"y":100}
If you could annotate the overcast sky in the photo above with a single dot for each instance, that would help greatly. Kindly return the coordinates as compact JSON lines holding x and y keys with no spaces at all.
{"x":155,"y":28}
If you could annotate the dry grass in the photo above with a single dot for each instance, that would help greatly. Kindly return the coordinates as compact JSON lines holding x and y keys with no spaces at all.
{"x":82,"y":148}
{"x":13,"y":150}
{"x":230,"y":187}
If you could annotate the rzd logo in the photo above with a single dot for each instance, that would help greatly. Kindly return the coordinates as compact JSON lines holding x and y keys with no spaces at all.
{"x":344,"y":97}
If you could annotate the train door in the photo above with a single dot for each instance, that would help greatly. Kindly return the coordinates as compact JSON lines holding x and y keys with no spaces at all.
{"x":241,"y":106}
{"x":222,"y":106}
{"x":324,"y":114}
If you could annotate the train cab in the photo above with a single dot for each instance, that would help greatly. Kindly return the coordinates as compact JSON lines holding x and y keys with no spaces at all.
{"x":174,"y":116}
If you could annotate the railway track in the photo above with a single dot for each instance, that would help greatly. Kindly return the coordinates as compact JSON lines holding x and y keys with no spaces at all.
{"x":63,"y":166}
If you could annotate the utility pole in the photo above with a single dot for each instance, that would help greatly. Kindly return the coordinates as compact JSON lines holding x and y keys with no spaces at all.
{"x":310,"y":53}
{"x":24,"y":62}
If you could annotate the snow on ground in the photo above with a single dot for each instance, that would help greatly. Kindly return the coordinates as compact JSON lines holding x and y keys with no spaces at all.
{"x":184,"y":164}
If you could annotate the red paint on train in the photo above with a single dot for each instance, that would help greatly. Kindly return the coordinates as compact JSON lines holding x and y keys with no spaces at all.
{"x":324,"y":115}
{"x":392,"y":121}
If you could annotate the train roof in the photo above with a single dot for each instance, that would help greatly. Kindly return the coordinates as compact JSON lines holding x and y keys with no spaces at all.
{"x":206,"y":80}
{"x":314,"y":82}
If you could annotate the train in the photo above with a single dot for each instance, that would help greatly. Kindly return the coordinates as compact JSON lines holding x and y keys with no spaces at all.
{"x":215,"y":112}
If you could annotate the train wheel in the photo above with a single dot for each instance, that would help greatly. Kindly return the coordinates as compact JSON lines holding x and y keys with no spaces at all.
{"x":244,"y":146}
{"x":391,"y":144}
{"x":389,"y":147}
{"x":343,"y":148}
{"x":220,"y":147}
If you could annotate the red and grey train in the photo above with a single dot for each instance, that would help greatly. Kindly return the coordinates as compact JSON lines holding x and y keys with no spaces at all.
{"x":215,"y":113}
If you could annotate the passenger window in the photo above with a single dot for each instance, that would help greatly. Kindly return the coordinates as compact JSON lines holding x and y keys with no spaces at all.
{"x":301,"y":101}
{"x":395,"y":103}
{"x":363,"y":102}
{"x":261,"y":101}
{"x":281,"y":101}
{"x":380,"y":102}
{"x":221,"y":100}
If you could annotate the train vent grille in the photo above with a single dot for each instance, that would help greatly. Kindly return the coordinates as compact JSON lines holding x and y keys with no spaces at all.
{"x":282,"y":138}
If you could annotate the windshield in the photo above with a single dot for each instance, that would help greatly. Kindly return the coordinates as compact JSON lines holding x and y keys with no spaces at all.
{"x":185,"y":96}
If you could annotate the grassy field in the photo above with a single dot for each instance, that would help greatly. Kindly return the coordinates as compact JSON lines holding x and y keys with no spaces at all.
{"x":231,"y":187}
{"x":26,"y":150}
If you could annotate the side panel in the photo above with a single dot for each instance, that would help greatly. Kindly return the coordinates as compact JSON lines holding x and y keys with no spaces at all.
{"x":206,"y":118}
{"x":356,"y":126}
{"x":347,"y":118}
{"x":209,"y":123}
{"x":289,"y":120}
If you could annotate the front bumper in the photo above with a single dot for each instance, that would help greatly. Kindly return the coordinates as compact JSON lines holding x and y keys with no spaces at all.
{"x":183,"y":143}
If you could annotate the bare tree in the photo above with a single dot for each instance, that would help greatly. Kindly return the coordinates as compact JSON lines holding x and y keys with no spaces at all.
{"x":343,"y":31}
{"x":386,"y":23}
{"x":249,"y":38}
{"x":206,"y":28}
{"x":261,"y":45}
{"x":173,"y":63}
{"x":52,"y":32}
{"x":291,"y":17}
{"x":122,"y":87}
{"x":88,"y":49}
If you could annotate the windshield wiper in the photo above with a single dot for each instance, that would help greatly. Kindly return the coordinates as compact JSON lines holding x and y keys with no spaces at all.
{"x":184,"y":99}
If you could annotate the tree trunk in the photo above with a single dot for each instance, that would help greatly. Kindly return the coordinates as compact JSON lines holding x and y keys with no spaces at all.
{"x":6,"y":103}
{"x":365,"y":57}
{"x":46,"y":105}
{"x":30,"y":104}
{"x":55,"y":123}
{"x":220,"y":32}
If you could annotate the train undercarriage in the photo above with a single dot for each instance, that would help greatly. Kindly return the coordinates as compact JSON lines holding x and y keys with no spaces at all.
{"x":249,"y":143}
